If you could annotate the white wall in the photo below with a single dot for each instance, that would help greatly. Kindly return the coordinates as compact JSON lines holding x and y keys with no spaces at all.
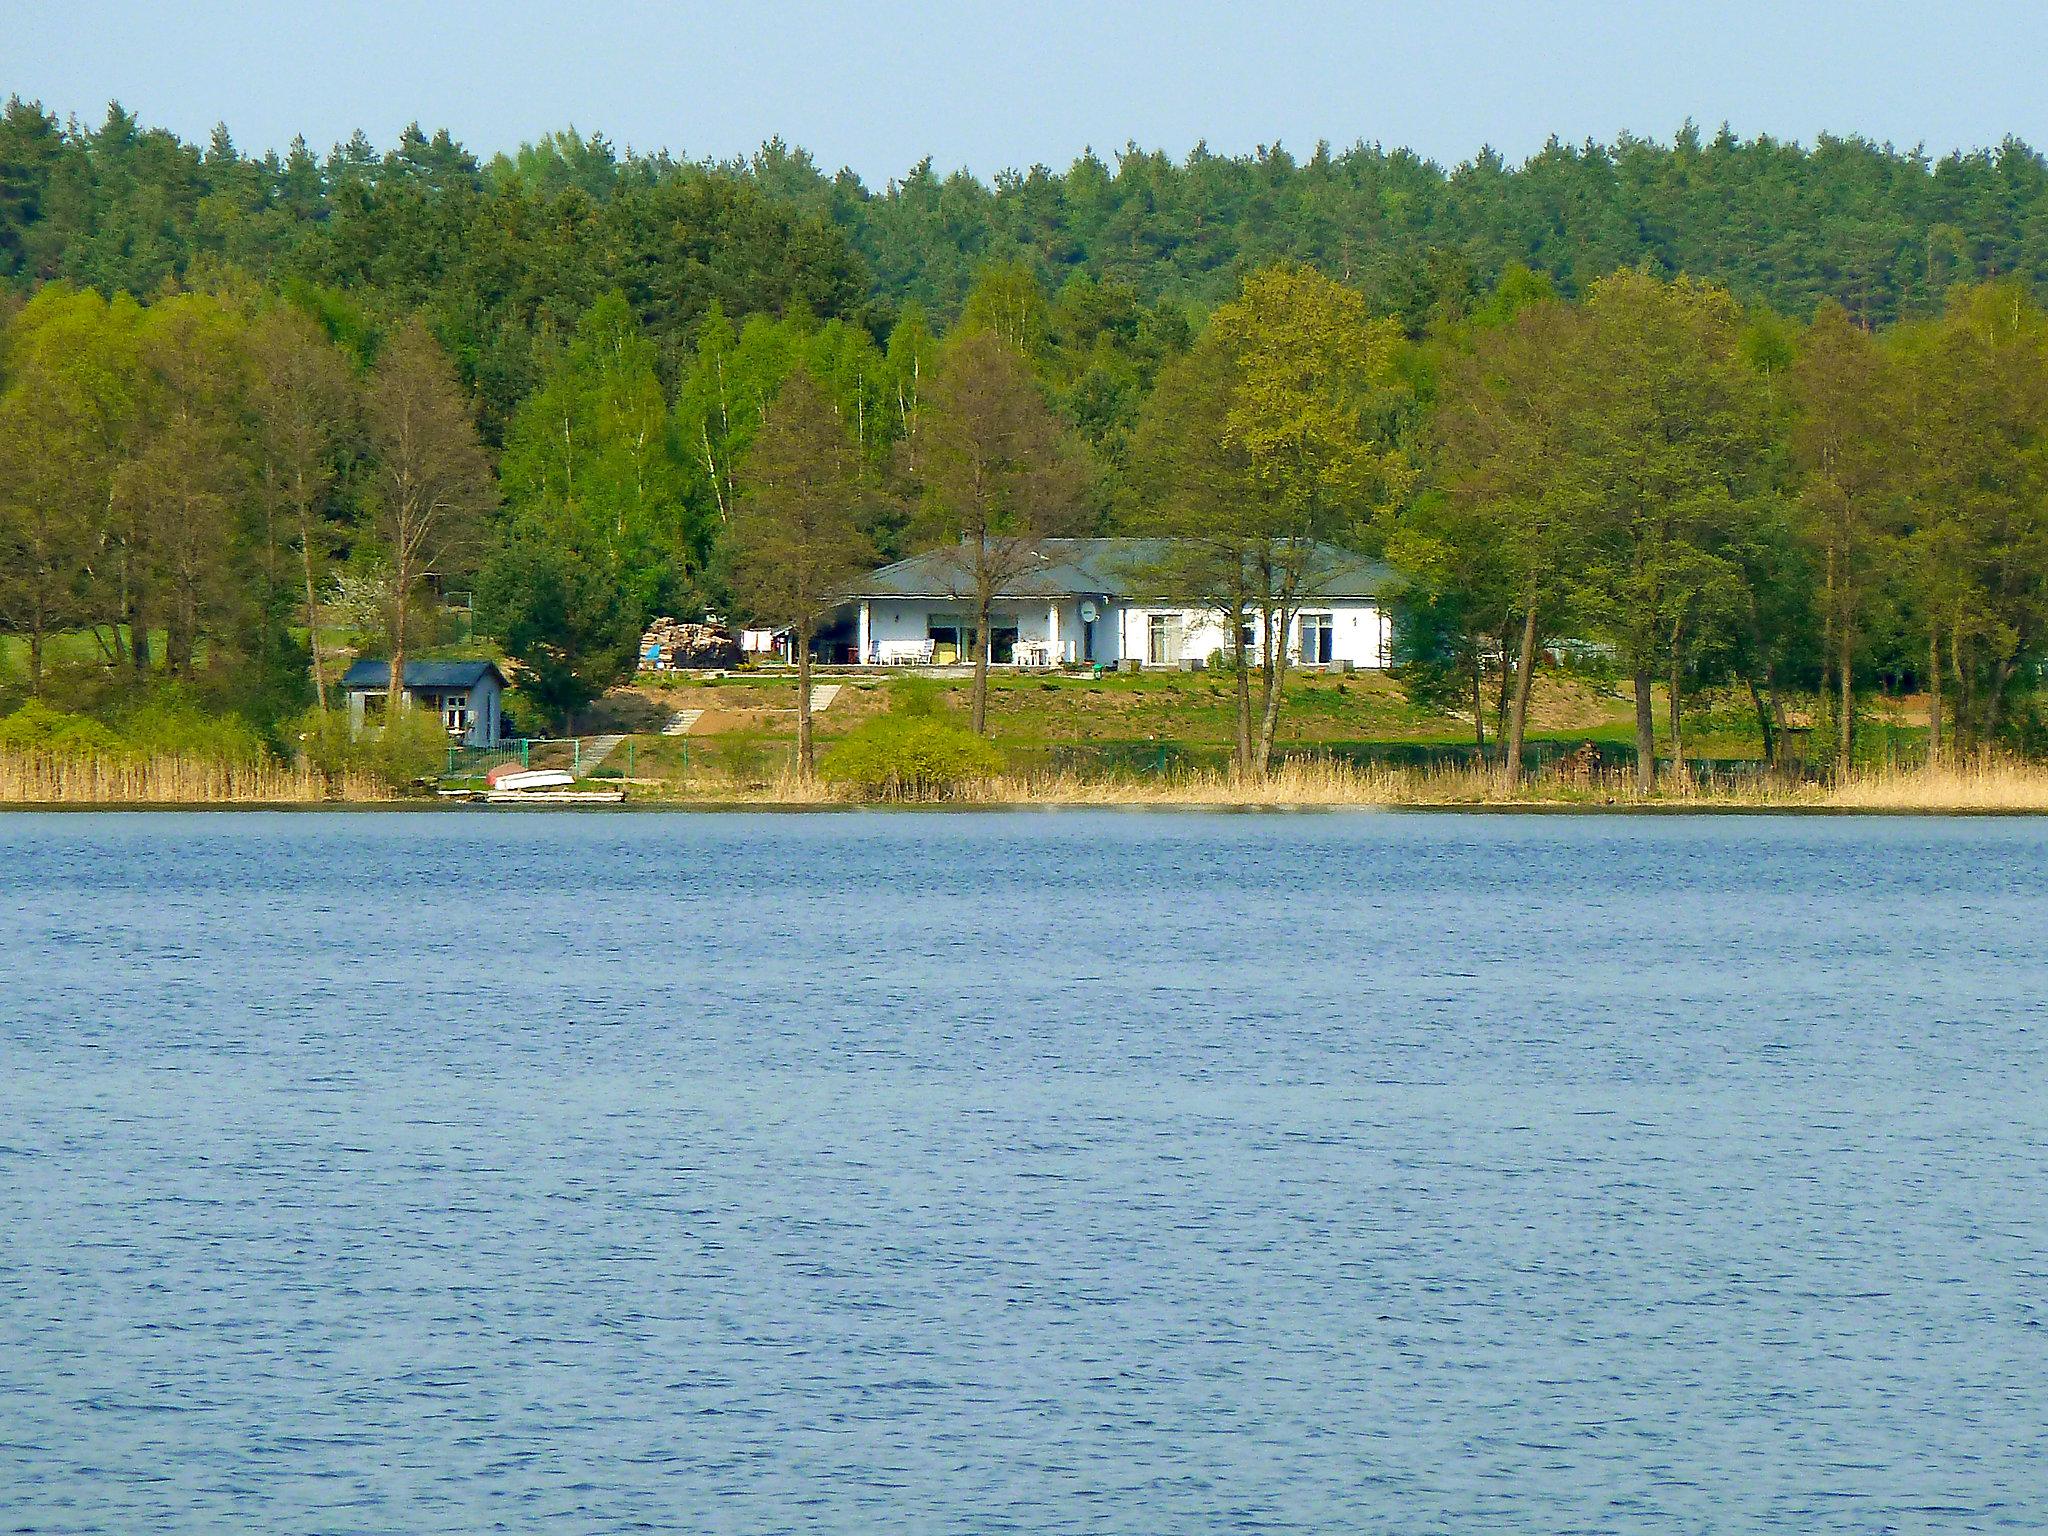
{"x":1362,"y":634}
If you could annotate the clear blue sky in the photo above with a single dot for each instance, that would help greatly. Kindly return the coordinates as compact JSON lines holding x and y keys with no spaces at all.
{"x":880,"y":84}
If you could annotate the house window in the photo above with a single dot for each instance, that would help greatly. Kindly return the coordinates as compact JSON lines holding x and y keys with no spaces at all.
{"x":1162,"y":640}
{"x":455,"y":713}
{"x":1318,"y":636}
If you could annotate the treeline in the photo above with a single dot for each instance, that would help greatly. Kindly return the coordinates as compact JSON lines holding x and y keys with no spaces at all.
{"x":1589,"y":412}
{"x":1651,"y":480}
{"x":506,"y":252}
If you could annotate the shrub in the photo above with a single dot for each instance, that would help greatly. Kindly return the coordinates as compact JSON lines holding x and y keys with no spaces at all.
{"x":35,"y":726}
{"x":415,"y":748}
{"x":172,"y":728}
{"x":910,"y":757}
{"x":325,"y":743}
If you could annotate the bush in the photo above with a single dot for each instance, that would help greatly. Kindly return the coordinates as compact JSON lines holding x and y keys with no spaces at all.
{"x":165,"y":726}
{"x":170,"y":727}
{"x":35,"y":726}
{"x":415,"y":748}
{"x":910,"y":757}
{"x":325,"y":742}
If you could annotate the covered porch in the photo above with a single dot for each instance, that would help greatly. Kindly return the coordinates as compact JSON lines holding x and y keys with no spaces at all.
{"x":1021,"y":632}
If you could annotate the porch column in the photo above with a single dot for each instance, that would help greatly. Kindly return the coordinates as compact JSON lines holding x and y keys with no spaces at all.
{"x":862,"y":658}
{"x":1052,"y":632}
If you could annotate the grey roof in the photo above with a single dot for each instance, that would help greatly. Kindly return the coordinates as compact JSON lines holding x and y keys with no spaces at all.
{"x":425,"y":676}
{"x":1098,"y":568}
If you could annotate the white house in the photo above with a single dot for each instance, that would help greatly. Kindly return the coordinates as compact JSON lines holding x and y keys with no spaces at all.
{"x":1087,"y":600}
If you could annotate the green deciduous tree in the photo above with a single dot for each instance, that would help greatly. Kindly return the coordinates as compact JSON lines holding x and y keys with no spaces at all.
{"x":1310,"y":408}
{"x":1665,"y":439}
{"x":997,"y":476}
{"x":797,"y":537}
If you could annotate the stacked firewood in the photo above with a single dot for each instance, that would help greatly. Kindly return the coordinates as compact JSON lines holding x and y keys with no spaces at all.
{"x":669,"y":644}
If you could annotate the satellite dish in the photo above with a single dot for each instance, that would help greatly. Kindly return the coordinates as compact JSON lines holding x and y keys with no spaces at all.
{"x":1088,"y":610}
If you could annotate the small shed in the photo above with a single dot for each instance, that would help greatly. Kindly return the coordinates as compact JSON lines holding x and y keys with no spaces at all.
{"x":468,"y":696}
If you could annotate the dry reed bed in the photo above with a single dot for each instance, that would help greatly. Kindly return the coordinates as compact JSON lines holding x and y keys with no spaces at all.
{"x":1979,"y":785}
{"x":44,"y":778}
{"x":1982,"y":785}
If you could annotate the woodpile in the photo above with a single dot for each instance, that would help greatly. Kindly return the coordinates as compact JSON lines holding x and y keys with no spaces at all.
{"x":671,"y":644}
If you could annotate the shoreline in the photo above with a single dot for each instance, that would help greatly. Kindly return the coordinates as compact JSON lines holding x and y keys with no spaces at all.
{"x":769,"y":806}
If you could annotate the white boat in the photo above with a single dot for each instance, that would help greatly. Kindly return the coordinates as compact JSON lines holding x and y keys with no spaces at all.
{"x":555,"y":797}
{"x":527,"y":779}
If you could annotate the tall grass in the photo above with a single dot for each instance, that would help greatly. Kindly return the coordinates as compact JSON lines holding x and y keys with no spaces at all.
{"x":33,"y":777}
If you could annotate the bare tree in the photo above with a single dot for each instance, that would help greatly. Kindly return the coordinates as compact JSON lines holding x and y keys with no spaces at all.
{"x":796,"y":529}
{"x":431,"y":485}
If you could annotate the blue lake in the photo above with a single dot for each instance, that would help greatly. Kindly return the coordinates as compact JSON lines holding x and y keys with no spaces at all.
{"x":1022,"y":1173}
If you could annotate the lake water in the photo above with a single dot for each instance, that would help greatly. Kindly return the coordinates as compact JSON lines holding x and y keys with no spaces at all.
{"x":1022,"y":1173}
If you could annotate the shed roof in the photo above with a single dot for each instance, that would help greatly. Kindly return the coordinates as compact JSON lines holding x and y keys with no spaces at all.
{"x":369,"y":676}
{"x":1098,"y":568}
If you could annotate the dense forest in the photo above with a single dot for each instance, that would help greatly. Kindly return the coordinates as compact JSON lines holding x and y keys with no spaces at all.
{"x":1720,"y":412}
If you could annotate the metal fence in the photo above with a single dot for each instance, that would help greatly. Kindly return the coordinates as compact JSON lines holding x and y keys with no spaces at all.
{"x":569,"y":752}
{"x":469,"y":762}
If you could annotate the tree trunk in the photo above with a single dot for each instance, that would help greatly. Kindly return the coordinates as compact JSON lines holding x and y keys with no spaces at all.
{"x":1525,"y":676}
{"x":1764,"y":725}
{"x":312,"y":607}
{"x":981,"y":649}
{"x":1242,"y":665}
{"x":1271,"y":658}
{"x":1676,"y":708}
{"x":1646,"y":732}
{"x":395,"y":692}
{"x":1269,"y":715}
{"x":1479,"y":702}
{"x":1505,"y":693}
{"x":1933,"y":700}
{"x":136,"y":610}
{"x":35,"y":660}
{"x":1845,"y":680}
{"x":803,"y":701}
{"x":1962,"y":682}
